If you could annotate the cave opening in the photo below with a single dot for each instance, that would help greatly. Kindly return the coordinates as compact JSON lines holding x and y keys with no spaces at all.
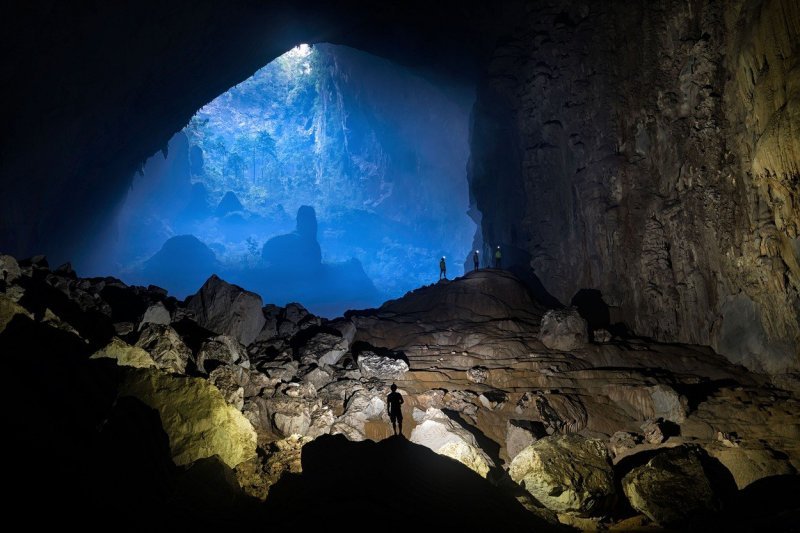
{"x":331,"y":177}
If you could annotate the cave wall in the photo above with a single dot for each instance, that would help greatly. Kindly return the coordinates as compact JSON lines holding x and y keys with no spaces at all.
{"x":652,"y":151}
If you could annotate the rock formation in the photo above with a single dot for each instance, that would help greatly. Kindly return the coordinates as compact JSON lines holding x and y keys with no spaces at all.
{"x":566,"y":473}
{"x":228,"y":309}
{"x":480,"y":388}
{"x":674,"y":475}
{"x":651,"y":153}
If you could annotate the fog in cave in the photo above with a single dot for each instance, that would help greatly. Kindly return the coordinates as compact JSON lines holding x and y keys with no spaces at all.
{"x":331,"y":177}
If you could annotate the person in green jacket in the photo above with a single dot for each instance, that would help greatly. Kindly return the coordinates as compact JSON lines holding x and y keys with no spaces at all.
{"x":497,"y":257}
{"x":442,"y":269}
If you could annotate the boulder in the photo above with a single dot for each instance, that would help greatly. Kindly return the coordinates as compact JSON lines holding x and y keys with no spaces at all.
{"x":461,"y":401}
{"x":622,"y":441}
{"x":269,"y":331}
{"x":520,"y":434}
{"x":256,"y":476}
{"x":291,"y":418}
{"x":363,"y":405}
{"x":156,"y":314}
{"x":345,"y":327}
{"x":567,"y":474}
{"x":227,"y":309}
{"x":294,"y":319}
{"x":165,"y":346}
{"x":9,"y":269}
{"x":373,"y":365}
{"x":747,"y":465}
{"x":125,"y":354}
{"x":440,"y":433}
{"x":282,"y":369}
{"x":194,"y":415}
{"x":285,"y":415}
{"x":221,"y":350}
{"x":326,"y":348}
{"x":672,"y":488}
{"x":9,"y":309}
{"x":655,"y":431}
{"x":319,"y":377}
{"x":564,"y":329}
{"x":228,"y":380}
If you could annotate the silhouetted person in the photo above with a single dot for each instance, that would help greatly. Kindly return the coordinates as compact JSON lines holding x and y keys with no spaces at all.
{"x":476,"y":261}
{"x":442,"y":269}
{"x":497,"y":257}
{"x":393,"y":401}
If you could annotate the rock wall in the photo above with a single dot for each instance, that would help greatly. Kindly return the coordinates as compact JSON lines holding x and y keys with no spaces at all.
{"x":651,"y":151}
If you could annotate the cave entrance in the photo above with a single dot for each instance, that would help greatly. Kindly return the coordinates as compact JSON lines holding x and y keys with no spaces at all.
{"x":331,"y":177}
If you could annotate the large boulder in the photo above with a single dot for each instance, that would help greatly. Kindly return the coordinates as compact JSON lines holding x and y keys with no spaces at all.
{"x":156,"y":314}
{"x":326,"y":348}
{"x":225,"y":379}
{"x":564,"y":329}
{"x":672,"y":488}
{"x":194,"y":415}
{"x":165,"y":346}
{"x":228,"y":309}
{"x":567,"y":474}
{"x":125,"y":354}
{"x":9,"y":309}
{"x":221,"y":350}
{"x":520,"y":434}
{"x":255,"y":477}
{"x":363,"y":405}
{"x":293,"y":410}
{"x":445,"y":436}
{"x":9,"y":269}
{"x":747,"y":465}
{"x":623,"y":441}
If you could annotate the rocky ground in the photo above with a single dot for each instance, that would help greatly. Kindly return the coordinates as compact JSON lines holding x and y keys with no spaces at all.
{"x":127,"y":402}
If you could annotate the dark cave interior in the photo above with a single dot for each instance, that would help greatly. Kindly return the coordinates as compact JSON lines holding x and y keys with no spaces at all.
{"x":637,"y":164}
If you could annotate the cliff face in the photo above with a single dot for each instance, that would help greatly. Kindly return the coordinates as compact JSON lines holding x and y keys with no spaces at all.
{"x":652,"y":152}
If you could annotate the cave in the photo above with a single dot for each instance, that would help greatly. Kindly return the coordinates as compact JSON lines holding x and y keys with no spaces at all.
{"x":194,"y":339}
{"x":329,"y":177}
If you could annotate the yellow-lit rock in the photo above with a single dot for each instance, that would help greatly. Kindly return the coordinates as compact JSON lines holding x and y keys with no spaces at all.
{"x":125,"y":354}
{"x":194,"y":415}
{"x":567,"y":474}
{"x":8,"y":310}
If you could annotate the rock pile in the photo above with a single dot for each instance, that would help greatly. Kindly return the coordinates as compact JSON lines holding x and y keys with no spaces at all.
{"x":230,"y":381}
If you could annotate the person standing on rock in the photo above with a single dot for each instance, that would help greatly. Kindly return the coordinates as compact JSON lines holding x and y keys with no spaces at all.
{"x":497,"y":257}
{"x":393,"y":402}
{"x":476,"y":260}
{"x":442,"y":269}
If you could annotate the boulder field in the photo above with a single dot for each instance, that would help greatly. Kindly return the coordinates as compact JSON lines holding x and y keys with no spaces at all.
{"x":218,"y":408}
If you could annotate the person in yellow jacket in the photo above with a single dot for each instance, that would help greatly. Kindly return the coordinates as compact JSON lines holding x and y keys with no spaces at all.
{"x":497,"y":257}
{"x":442,"y":269}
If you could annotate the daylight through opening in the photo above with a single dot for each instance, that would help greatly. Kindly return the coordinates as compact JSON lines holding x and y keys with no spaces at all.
{"x":331,"y":177}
